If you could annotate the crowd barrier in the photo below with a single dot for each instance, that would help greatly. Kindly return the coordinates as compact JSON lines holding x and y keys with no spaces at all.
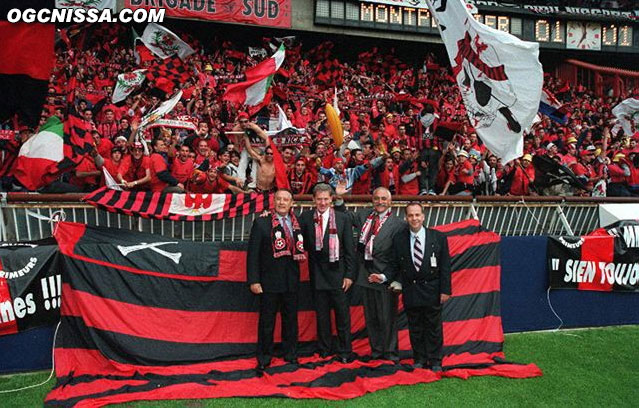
{"x":505,"y":215}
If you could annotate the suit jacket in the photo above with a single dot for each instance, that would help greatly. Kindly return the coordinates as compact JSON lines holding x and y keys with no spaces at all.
{"x":277,"y":275}
{"x":382,"y":246}
{"x":324,"y":274}
{"x":421,"y":288}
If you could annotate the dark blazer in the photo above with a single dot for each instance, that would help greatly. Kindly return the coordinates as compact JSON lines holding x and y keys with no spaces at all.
{"x":421,"y":288}
{"x":382,"y":247}
{"x":277,"y":275}
{"x":324,"y":274}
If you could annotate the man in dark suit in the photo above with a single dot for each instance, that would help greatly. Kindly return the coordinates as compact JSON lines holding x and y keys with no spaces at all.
{"x":329,"y":241}
{"x":421,"y":265}
{"x":272,"y":263}
{"x":375,"y":231}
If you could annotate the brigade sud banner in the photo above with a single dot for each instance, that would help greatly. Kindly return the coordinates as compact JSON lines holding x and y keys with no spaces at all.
{"x":605,"y":260}
{"x":273,"y":13}
{"x":30,"y":285}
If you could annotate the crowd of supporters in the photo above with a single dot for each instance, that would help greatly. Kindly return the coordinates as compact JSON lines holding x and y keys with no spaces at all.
{"x":405,"y":128}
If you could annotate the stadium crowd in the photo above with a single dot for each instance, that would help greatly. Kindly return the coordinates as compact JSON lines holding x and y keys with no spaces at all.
{"x":405,"y":128}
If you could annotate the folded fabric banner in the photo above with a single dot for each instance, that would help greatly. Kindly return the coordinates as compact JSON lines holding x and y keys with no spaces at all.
{"x":30,"y":285}
{"x":604,"y":260}
{"x":179,"y":206}
{"x":145,"y":318}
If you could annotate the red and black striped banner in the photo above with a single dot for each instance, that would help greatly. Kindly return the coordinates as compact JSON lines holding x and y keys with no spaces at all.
{"x":136,"y":325}
{"x":605,"y":260}
{"x":179,"y":206}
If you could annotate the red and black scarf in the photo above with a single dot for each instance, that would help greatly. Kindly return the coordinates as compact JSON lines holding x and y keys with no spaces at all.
{"x":283,"y":243}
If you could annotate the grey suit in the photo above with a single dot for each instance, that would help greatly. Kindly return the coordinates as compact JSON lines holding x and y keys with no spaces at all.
{"x":380,"y":304}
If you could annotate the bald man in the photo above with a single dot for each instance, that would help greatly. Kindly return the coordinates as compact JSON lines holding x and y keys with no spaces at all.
{"x":376,"y":229}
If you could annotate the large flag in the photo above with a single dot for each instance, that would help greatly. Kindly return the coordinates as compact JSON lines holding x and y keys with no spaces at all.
{"x":126,"y":84}
{"x":151,"y":317}
{"x":168,"y":74}
{"x":552,"y":108}
{"x":26,"y":63}
{"x":499,"y":76}
{"x":627,"y":113}
{"x":164,"y":43}
{"x":55,"y":149}
{"x":254,"y":91}
{"x":38,"y":159}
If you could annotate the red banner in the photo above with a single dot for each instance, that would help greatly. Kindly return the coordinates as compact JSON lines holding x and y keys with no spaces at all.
{"x":274,"y":13}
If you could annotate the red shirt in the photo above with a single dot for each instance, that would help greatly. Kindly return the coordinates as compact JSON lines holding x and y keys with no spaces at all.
{"x":616,"y":173}
{"x":634,"y":176}
{"x":219,"y":185}
{"x":182,"y":171}
{"x":411,"y":187}
{"x":108,"y":130}
{"x":131,"y":169}
{"x":158,"y":164}
{"x":362,"y":186}
{"x":111,"y":167}
{"x":214,"y":145}
{"x":584,"y":170}
{"x":87,"y":165}
{"x":300,"y":184}
{"x":462,"y":177}
{"x":444,"y":177}
{"x":521,"y":180}
{"x":104,"y":148}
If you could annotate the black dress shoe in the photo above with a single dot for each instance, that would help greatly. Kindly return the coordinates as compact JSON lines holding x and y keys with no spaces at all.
{"x":324,"y":354}
{"x":293,"y":361}
{"x":261,"y":367}
{"x":418,"y":365}
{"x":344,"y":360}
{"x":436,"y":368}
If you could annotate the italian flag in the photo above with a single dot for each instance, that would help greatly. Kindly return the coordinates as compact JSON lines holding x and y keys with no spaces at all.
{"x":255,"y":91}
{"x":37,"y":163}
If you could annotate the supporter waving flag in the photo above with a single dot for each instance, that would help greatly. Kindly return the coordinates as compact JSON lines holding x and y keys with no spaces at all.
{"x":255,"y":91}
{"x":499,"y":76}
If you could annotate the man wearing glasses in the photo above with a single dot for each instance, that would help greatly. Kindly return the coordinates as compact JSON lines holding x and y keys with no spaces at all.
{"x":265,"y":177}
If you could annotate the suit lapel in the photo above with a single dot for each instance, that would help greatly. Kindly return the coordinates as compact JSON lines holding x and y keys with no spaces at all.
{"x":386,"y":229}
{"x":427,"y":251}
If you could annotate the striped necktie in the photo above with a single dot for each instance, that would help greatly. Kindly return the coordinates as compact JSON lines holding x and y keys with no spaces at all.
{"x":418,"y":254}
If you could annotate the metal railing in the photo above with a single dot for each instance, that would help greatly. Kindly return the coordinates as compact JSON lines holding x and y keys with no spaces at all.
{"x":508,"y":216}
